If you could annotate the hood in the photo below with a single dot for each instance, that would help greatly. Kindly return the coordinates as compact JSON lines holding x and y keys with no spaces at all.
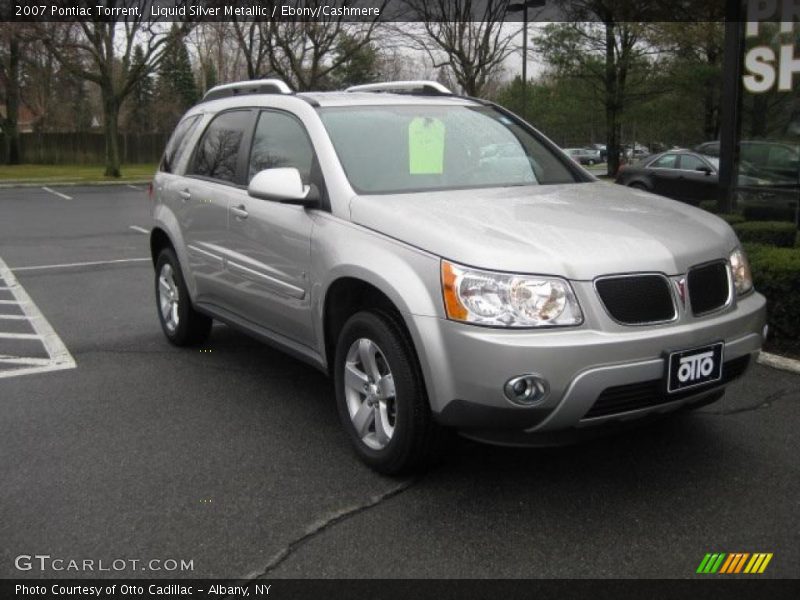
{"x":578,"y":231}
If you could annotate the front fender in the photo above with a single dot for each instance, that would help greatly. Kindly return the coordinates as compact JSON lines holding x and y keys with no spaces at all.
{"x":408,"y":276}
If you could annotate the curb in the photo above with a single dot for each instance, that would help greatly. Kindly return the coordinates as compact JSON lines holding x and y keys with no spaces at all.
{"x":779,"y":362}
{"x":30,"y":184}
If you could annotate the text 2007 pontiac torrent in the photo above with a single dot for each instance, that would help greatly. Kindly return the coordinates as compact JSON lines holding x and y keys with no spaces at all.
{"x":445,"y":263}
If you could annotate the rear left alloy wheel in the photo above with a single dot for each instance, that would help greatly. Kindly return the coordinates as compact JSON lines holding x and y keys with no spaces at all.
{"x":381,"y":395}
{"x":180,"y":322}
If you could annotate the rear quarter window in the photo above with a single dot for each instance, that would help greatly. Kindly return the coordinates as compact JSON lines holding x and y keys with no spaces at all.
{"x":668,"y":161}
{"x":177,"y":142}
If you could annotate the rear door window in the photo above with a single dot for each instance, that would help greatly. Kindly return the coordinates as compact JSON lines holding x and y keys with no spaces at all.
{"x":691,"y":163}
{"x":218,"y":152}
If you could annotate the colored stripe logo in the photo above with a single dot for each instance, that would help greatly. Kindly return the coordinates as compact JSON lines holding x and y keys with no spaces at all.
{"x":734,"y":563}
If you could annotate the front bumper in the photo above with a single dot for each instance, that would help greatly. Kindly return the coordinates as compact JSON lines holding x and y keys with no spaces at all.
{"x":465,"y":366}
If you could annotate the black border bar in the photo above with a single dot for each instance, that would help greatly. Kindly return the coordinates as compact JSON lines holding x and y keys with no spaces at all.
{"x":742,"y":587}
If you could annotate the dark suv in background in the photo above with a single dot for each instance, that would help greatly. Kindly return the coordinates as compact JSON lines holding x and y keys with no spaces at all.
{"x":776,"y":162}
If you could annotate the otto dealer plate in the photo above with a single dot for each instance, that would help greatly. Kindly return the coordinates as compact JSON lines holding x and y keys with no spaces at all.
{"x":698,"y":366}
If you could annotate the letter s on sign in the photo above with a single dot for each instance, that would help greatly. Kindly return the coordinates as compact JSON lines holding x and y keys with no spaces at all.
{"x":23,"y":562}
{"x":758,"y":61}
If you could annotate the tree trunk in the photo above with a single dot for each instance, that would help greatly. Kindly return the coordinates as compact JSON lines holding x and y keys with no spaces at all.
{"x":471,"y":88}
{"x":111,"y":127}
{"x":11,"y":122}
{"x":711,"y":115}
{"x":611,"y":105}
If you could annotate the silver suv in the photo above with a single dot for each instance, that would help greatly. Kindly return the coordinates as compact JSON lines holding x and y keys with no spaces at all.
{"x":446,"y":264}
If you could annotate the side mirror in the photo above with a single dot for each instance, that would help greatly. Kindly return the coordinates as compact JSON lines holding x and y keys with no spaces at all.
{"x":283,"y":185}
{"x":704,"y":169}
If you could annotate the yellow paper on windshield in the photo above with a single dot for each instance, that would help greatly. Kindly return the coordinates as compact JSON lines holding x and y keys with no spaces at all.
{"x":425,"y":146}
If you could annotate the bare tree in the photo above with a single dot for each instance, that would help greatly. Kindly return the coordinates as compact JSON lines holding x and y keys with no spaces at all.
{"x":102,"y":53}
{"x":43,"y":90}
{"x":302,"y":52}
{"x":218,"y":51}
{"x":466,"y":36}
{"x":250,"y":36}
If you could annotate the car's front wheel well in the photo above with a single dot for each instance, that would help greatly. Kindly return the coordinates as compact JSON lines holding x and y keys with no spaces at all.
{"x":347,"y":296}
{"x":158,"y":241}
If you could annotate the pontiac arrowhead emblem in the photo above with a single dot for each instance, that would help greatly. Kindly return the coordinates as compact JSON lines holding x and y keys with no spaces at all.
{"x":681,"y":285}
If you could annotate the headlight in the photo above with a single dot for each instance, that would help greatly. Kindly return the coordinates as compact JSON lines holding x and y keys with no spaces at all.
{"x":740,"y":268}
{"x":507,"y":299}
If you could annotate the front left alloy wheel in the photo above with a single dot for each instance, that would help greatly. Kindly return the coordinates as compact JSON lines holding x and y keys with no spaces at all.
{"x":381,"y":395}
{"x":370,"y":394}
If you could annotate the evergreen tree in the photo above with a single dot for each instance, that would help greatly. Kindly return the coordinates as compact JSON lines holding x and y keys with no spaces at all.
{"x":142,"y":95}
{"x":358,"y":62}
{"x":176,"y":83}
{"x":210,"y":75}
{"x":183,"y":82}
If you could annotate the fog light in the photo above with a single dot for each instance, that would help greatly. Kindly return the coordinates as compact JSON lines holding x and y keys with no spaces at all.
{"x":525,"y":389}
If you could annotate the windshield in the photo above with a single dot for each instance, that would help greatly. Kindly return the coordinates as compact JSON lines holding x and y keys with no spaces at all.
{"x":412,"y":148}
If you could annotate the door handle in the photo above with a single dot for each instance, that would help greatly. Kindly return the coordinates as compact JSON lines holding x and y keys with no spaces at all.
{"x":240,"y":211}
{"x":185,"y":195}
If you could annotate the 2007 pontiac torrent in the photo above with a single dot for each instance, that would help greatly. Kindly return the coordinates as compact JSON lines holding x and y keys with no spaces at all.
{"x":446,"y":264}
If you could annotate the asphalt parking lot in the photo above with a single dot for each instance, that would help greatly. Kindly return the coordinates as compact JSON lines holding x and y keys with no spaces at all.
{"x":231,"y":455}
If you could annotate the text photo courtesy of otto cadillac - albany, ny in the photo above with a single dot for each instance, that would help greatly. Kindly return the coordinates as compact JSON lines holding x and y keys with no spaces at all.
{"x":391,"y":298}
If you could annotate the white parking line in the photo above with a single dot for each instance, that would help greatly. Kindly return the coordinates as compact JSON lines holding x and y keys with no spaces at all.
{"x":13,"y":318}
{"x":23,"y":360}
{"x":19,"y":336}
{"x":135,"y":187}
{"x":52,"y":191}
{"x":9,"y":302}
{"x":78,"y":264}
{"x":59,"y":356}
{"x":139,"y":229}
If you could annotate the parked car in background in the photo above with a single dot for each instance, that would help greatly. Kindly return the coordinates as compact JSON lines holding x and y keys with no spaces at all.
{"x":636,"y":152}
{"x":777,"y":162}
{"x":602,"y":151}
{"x":584,"y":156}
{"x":445,"y":263}
{"x":682,"y":175}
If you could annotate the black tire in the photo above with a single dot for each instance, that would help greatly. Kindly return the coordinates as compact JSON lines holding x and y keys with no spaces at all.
{"x":192,"y":327}
{"x":417,"y":440}
{"x":639,"y":186}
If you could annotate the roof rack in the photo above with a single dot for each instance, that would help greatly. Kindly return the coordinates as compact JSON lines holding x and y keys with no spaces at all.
{"x":255,"y":86}
{"x":432,"y":88}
